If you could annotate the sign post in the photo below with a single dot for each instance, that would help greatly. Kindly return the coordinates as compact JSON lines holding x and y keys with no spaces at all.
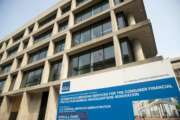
{"x":143,"y":92}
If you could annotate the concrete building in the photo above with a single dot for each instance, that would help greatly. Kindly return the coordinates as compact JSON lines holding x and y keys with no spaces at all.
{"x":74,"y":38}
{"x":176,"y":66}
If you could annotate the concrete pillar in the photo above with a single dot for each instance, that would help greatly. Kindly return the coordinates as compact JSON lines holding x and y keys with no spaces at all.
{"x":14,"y":64}
{"x":68,"y":41}
{"x":4,"y":55}
{"x":4,"y":45}
{"x":73,"y":5}
{"x":10,"y":42}
{"x":24,"y":60}
{"x":30,"y":106}
{"x":59,"y":12}
{"x":5,"y":109}
{"x":7,"y":84}
{"x":30,"y":43}
{"x":131,"y":20}
{"x":138,"y":50}
{"x":45,"y":74}
{"x":20,"y":47}
{"x":18,"y":81}
{"x":51,"y":110}
{"x":65,"y":65}
{"x":55,"y":29}
{"x":26,"y":32}
{"x":50,"y":49}
{"x":36,"y":25}
{"x":117,"y":51}
{"x":114,"y":23}
{"x":71,"y":20}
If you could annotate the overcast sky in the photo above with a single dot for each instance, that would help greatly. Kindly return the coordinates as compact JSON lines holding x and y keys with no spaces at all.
{"x":164,"y":15}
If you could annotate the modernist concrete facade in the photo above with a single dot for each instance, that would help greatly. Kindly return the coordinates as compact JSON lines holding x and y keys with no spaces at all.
{"x":176,"y":66}
{"x":57,"y":44}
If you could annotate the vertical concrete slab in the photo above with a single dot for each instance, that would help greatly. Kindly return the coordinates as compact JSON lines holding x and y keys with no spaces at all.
{"x":18,"y":81}
{"x":65,"y":65}
{"x":51,"y":110}
{"x":138,"y":50}
{"x":5,"y":109}
{"x":45,"y":74}
{"x":7,"y":84}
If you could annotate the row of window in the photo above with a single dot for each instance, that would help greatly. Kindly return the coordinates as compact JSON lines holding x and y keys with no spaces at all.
{"x":93,"y":10}
{"x":93,"y":31}
{"x":95,"y":59}
{"x":86,"y":34}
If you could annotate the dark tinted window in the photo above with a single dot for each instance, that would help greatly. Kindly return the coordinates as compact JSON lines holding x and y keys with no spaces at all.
{"x":48,"y":19}
{"x":40,"y":54}
{"x":2,"y":82}
{"x":127,"y":51}
{"x":118,"y":1}
{"x":42,"y":36}
{"x":121,"y":20}
{"x":93,"y":31}
{"x":63,"y":26}
{"x":59,"y":46}
{"x":5,"y":68}
{"x":92,"y":60}
{"x":32,"y":77}
{"x":55,"y":71}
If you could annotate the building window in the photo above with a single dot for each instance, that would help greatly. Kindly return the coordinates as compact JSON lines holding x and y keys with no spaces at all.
{"x":121,"y":20}
{"x":118,"y":1}
{"x":43,"y":36}
{"x":13,"y":80}
{"x":48,"y":19}
{"x":63,"y":26}
{"x":78,"y":2}
{"x":40,"y":54}
{"x":12,"y":51}
{"x":1,"y":85}
{"x":59,"y":46}
{"x":55,"y":71}
{"x":92,"y":60}
{"x":93,"y":31}
{"x":66,"y":8}
{"x":18,"y":37}
{"x":32,"y":77}
{"x":5,"y":68}
{"x":85,"y":14}
{"x":127,"y":51}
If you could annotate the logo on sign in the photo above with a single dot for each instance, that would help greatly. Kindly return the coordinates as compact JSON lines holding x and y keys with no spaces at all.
{"x":66,"y":86}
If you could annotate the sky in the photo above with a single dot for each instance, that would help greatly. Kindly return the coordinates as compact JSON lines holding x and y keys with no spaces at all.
{"x":164,"y":15}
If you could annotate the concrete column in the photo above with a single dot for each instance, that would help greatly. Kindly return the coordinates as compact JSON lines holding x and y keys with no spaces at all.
{"x":45,"y":74}
{"x":14,"y":64}
{"x":65,"y":65}
{"x":4,"y":45}
{"x":68,"y":41}
{"x":71,"y":20}
{"x":20,"y":47}
{"x":30,"y":106}
{"x":138,"y":50}
{"x":23,"y":109}
{"x":7,"y":84}
{"x":59,"y":12}
{"x":73,"y":5}
{"x":55,"y":29}
{"x":114,"y":23}
{"x":30,"y":43}
{"x":26,"y":32}
{"x":117,"y":51}
{"x":51,"y":110}
{"x":10,"y":42}
{"x":18,"y":81}
{"x":4,"y":55}
{"x":50,"y":49}
{"x":131,"y":20}
{"x":5,"y":109}
{"x":24,"y":60}
{"x":111,"y":3}
{"x":36,"y":25}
